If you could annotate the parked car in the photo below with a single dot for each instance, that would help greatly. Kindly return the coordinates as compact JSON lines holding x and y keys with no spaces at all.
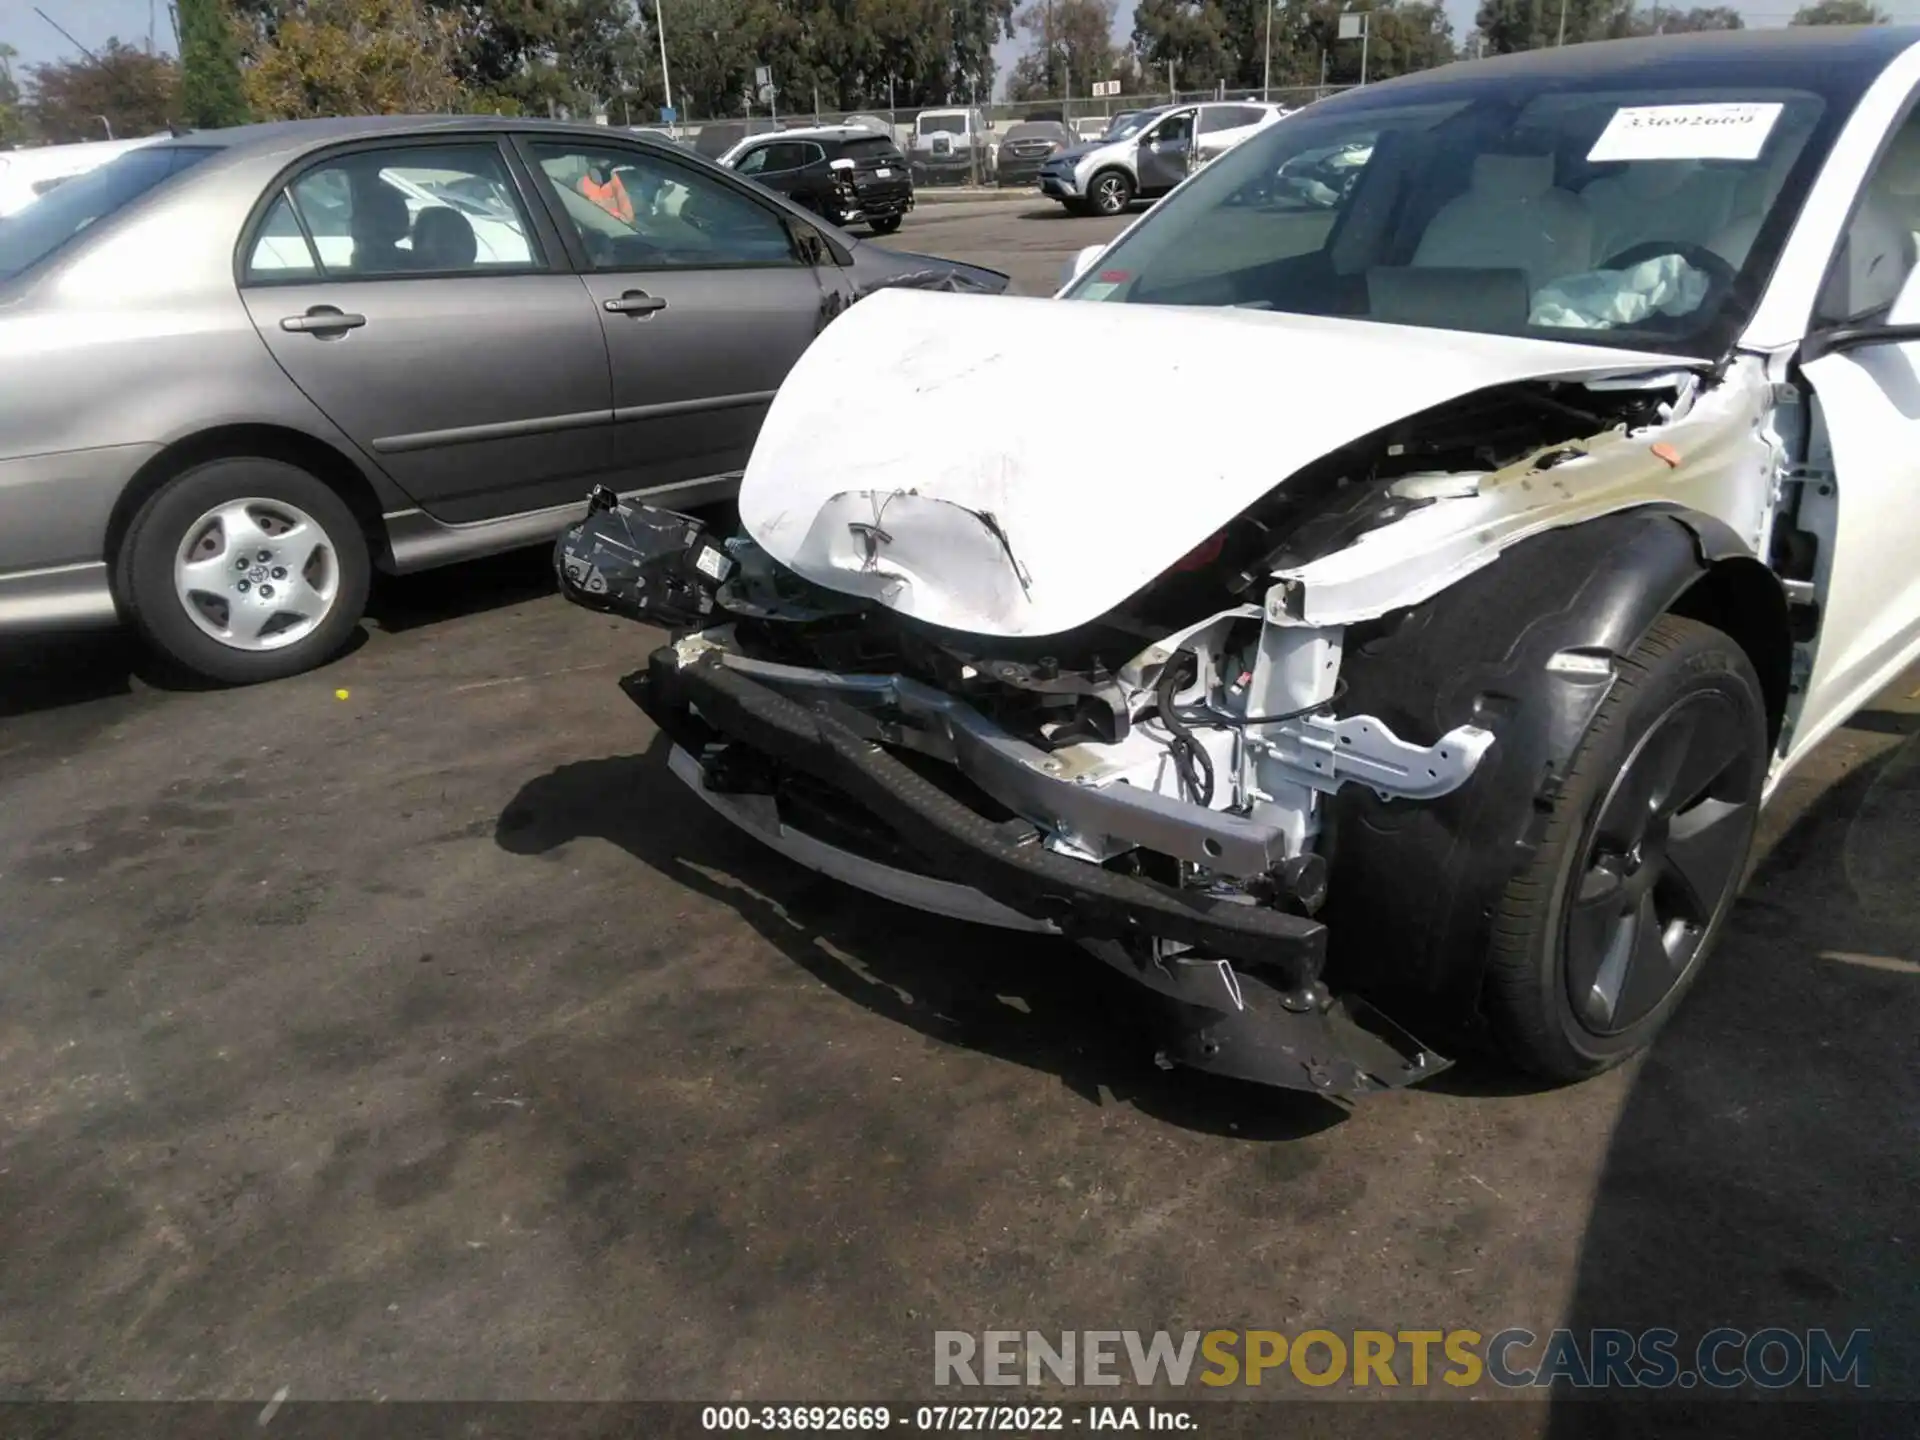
{"x":1090,"y":127}
{"x":846,"y":173}
{"x":1576,"y":504}
{"x":26,"y":175}
{"x":952,"y":147}
{"x":1026,"y":147}
{"x":243,"y":368}
{"x":1149,"y":152}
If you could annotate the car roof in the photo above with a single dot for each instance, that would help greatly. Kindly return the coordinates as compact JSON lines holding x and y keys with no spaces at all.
{"x":1714,"y":54}
{"x":823,"y":132}
{"x":298,"y":135}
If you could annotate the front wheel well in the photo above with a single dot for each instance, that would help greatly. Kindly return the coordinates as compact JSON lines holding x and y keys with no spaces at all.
{"x":271,"y":442}
{"x":1742,"y":598}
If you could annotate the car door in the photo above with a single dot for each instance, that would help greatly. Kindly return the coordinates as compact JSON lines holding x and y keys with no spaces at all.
{"x":1162,"y":156}
{"x":785,"y":167}
{"x":705,"y":302}
{"x":764,"y":163}
{"x":1220,"y":128}
{"x":407,"y":289}
{"x":1867,"y":405}
{"x":811,"y":181}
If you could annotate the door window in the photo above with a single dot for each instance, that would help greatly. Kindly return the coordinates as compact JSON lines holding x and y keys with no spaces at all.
{"x":417,"y":210}
{"x":636,"y":211}
{"x":280,"y":250}
{"x":1174,"y":130}
{"x":756,"y":161}
{"x":1216,"y":118}
{"x":784,"y":155}
{"x":1879,"y":247}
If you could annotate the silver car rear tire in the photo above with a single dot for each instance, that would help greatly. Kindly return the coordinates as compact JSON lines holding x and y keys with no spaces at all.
{"x":244,"y":569}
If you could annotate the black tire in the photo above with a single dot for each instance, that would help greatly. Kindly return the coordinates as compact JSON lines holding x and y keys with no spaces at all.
{"x":1110,"y":192}
{"x":144,"y":568}
{"x":886,"y":225}
{"x":1685,"y":699}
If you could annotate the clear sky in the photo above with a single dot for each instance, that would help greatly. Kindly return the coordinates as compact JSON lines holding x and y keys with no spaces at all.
{"x":91,"y":22}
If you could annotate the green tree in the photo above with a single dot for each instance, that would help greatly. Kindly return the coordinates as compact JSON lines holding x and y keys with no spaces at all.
{"x":1071,"y":46}
{"x":1191,"y":36}
{"x":211,"y":92}
{"x":1665,"y":20}
{"x":119,"y":87}
{"x":354,"y":57}
{"x":1509,"y":25}
{"x":13,"y":120}
{"x":1840,"y":12}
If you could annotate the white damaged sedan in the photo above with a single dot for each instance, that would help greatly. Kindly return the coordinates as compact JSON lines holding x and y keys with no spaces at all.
{"x":1494,"y":530}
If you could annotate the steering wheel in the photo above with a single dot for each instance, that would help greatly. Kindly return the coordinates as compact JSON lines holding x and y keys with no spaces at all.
{"x":1719,"y":272}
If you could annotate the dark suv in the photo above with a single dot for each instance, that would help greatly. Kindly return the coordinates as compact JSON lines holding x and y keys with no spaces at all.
{"x":848,"y":174}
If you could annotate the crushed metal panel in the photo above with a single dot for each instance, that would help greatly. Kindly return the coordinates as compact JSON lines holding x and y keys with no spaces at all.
{"x":1726,"y":467}
{"x":1091,"y":513}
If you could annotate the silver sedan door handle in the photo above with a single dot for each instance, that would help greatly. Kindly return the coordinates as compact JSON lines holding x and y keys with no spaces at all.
{"x":322,"y":320}
{"x":635,"y":302}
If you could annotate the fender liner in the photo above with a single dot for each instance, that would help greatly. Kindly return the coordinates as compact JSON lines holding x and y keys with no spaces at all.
{"x":1414,"y":887}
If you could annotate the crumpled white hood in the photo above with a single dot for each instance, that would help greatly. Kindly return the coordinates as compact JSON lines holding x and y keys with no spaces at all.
{"x":955,"y":458}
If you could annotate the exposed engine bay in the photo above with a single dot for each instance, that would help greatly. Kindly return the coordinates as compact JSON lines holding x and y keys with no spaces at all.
{"x":1154,"y":781}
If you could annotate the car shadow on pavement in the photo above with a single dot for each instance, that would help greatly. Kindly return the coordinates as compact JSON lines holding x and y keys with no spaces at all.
{"x":49,"y":672}
{"x":53,"y":671}
{"x":1030,"y":999}
{"x":406,"y":602}
{"x":1763,"y":1169}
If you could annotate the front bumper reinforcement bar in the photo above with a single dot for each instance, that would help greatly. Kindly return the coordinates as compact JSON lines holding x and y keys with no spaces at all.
{"x":1245,"y":999}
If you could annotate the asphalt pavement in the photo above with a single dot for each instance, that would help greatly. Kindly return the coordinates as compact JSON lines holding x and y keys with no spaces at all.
{"x":404,"y":1030}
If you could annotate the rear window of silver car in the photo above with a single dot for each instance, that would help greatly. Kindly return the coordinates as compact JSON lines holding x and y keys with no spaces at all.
{"x":29,"y":236}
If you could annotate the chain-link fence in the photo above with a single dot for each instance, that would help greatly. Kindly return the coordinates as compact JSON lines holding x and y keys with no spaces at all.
{"x":969,"y":137}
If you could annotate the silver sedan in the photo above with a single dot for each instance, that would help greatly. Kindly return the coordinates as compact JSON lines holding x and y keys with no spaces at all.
{"x":240,"y":370}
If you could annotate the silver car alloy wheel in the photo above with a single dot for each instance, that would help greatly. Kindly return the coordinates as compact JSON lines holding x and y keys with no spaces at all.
{"x":1107,"y":195}
{"x":256,"y":574}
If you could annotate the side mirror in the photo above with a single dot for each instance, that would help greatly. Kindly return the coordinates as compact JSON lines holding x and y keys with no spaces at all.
{"x":1081,"y":262}
{"x":814,"y":247}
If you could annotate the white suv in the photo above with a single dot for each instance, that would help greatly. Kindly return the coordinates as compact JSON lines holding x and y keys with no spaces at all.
{"x":951,"y":147}
{"x":1149,"y":153}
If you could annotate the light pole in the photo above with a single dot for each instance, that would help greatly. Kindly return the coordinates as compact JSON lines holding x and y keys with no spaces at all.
{"x":1561,"y":38}
{"x":666,"y":80}
{"x":1266,"y":74}
{"x":1358,"y":25}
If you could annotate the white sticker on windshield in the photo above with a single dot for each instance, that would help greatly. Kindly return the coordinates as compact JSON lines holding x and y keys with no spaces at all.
{"x":1686,"y":132}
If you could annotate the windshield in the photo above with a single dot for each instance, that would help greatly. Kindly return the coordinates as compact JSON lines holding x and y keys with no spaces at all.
{"x":1125,"y":125}
{"x":28,"y":236}
{"x":1619,"y":214}
{"x":942,"y":124}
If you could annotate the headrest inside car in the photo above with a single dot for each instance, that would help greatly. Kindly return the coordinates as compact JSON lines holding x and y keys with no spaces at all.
{"x":1513,"y":176}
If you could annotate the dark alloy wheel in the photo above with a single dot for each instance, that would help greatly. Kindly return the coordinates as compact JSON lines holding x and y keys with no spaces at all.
{"x":1664,"y":855}
{"x":1601,"y":934}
